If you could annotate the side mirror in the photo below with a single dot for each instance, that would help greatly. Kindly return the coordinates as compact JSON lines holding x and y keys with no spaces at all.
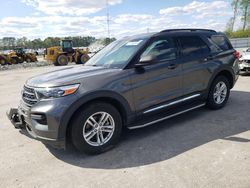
{"x":146,"y":60}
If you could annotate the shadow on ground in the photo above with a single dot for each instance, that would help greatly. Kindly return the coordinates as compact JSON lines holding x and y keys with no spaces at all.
{"x":245,"y":74}
{"x":170,"y":138}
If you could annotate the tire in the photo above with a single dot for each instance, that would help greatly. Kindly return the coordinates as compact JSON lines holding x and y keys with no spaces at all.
{"x":28,"y":60}
{"x":84,"y":130}
{"x":62,"y":60}
{"x":3,"y":62}
{"x":21,"y":59}
{"x":14,"y":60}
{"x":217,"y":98}
{"x":82,"y":59}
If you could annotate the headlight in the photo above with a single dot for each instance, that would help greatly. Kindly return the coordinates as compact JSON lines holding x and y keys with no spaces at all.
{"x":55,"y":92}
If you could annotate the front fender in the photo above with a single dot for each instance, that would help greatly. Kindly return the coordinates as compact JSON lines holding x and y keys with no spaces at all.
{"x":130,"y":115}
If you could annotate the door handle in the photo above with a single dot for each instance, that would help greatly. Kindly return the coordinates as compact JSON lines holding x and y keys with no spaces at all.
{"x":172,"y":66}
{"x":209,"y":58}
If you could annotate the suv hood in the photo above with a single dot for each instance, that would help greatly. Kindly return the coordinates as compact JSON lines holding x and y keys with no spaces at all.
{"x":66,"y":76}
{"x":245,"y":57}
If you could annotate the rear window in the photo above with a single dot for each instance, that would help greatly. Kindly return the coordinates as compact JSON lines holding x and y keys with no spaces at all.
{"x":193,"y":46}
{"x":220,"y":42}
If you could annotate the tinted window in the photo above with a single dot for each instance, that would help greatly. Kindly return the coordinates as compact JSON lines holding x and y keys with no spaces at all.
{"x":162,"y":49}
{"x":220,"y":42}
{"x":193,"y":46}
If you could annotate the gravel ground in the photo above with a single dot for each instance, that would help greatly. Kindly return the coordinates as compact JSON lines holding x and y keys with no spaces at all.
{"x":202,"y":148}
{"x":40,"y":63}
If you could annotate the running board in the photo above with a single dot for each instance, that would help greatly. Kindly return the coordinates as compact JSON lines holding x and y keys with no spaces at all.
{"x":167,"y":117}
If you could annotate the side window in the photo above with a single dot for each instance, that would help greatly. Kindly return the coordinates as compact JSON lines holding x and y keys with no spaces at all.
{"x":193,"y":46}
{"x":162,"y":50}
{"x":220,"y":42}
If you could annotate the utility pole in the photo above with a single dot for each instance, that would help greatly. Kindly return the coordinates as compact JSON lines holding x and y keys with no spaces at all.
{"x":108,"y":21}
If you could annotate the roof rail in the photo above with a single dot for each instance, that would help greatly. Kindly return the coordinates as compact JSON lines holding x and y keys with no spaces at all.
{"x":190,"y":30}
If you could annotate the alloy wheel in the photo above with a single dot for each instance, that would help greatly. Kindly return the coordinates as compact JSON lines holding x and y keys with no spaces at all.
{"x":98,"y":129}
{"x":220,"y":92}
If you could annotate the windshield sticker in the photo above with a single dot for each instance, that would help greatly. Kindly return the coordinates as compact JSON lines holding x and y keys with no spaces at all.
{"x":134,"y":43}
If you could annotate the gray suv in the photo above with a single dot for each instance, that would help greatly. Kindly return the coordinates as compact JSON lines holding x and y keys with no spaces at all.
{"x":132,"y":83}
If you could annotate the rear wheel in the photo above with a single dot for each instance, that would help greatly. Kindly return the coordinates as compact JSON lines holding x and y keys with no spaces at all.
{"x":62,"y":60}
{"x":96,"y":128}
{"x":219,"y":93}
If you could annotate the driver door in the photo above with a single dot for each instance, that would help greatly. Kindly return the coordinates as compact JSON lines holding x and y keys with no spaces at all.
{"x":159,"y":82}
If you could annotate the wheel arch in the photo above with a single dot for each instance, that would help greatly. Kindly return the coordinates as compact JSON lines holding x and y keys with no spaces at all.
{"x":108,"y":97}
{"x":228,"y":75}
{"x":222,"y":72}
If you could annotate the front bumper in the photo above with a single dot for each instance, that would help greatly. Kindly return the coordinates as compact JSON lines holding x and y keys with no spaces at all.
{"x":15,"y":118}
{"x":42,"y":121}
{"x":18,"y":121}
{"x":244,"y":66}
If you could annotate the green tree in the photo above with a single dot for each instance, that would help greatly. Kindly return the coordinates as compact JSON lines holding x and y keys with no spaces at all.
{"x":229,"y":26}
{"x":245,"y":12}
{"x":235,"y":6}
{"x":9,"y":42}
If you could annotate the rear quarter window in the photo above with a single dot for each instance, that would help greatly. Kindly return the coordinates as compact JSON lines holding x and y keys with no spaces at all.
{"x":220,"y":42}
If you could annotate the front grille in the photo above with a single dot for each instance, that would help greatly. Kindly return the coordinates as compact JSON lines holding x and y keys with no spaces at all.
{"x":29,"y":96}
{"x":245,"y":61}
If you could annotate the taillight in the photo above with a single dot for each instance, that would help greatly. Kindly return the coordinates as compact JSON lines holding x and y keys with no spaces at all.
{"x":237,"y":54}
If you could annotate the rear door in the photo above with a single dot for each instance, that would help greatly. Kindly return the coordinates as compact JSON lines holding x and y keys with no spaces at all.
{"x":195,"y":53}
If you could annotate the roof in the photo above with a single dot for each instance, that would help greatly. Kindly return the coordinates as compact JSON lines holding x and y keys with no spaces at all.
{"x":172,"y":31}
{"x":188,"y":30}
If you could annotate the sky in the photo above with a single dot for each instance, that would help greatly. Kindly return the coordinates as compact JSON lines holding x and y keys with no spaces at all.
{"x":61,"y":18}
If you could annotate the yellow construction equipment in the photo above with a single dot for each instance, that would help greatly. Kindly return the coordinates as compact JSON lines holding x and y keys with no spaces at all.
{"x":16,"y":56}
{"x":4,"y":59}
{"x":25,"y":56}
{"x":64,"y":54}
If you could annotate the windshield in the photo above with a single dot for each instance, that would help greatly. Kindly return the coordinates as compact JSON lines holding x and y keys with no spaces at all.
{"x":67,"y":44}
{"x":116,"y":54}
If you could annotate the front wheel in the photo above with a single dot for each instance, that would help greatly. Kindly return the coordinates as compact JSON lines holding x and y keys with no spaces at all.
{"x":96,"y":128}
{"x":219,"y":93}
{"x":28,"y":60}
{"x":82,"y":59}
{"x":14,"y":60}
{"x":61,"y":60}
{"x":3,"y":62}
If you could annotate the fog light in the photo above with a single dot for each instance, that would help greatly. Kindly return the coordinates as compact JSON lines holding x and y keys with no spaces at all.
{"x":40,"y":118}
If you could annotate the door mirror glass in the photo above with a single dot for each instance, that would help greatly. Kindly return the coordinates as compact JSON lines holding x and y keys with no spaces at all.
{"x":149,"y":59}
{"x":146,"y":60}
